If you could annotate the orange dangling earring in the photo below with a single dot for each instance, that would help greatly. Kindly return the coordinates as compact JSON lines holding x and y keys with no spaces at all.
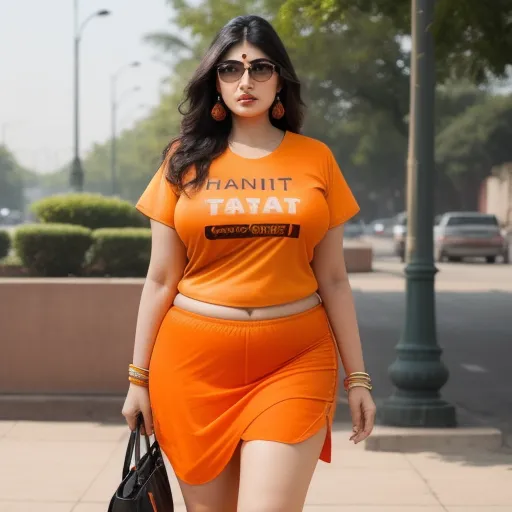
{"x":278,"y":109}
{"x":218,"y":111}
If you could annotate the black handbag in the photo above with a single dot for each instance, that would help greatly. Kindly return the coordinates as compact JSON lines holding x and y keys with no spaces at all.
{"x":144,"y":487}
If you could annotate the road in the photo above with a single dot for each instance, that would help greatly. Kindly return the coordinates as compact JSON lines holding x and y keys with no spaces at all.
{"x":474,"y":329}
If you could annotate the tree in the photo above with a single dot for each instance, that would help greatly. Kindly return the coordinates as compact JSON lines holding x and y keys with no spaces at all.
{"x":473,"y":143}
{"x":453,"y":98}
{"x":473,"y":38}
{"x":11,"y":181}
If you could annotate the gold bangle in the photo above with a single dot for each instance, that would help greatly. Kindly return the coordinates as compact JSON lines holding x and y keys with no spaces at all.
{"x":137,"y":375}
{"x":365,"y":384}
{"x":139,"y":369}
{"x":353,"y":384}
{"x":137,"y":382}
{"x":358,"y":380}
{"x":358,"y":385}
{"x":367,"y":381}
{"x":357,"y":374}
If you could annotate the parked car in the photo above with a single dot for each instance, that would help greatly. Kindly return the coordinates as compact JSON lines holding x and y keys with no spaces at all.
{"x":462,"y":235}
{"x":10,"y":217}
{"x":400,"y":235}
{"x":380,"y":228}
{"x":354,"y":229}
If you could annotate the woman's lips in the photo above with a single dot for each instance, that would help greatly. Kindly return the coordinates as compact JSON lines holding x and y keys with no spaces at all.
{"x":246,"y":101}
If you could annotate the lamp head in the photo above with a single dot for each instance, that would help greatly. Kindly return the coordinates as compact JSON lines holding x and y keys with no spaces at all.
{"x":103,"y":12}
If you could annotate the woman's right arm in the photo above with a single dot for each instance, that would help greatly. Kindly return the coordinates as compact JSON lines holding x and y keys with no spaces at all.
{"x":166,"y":267}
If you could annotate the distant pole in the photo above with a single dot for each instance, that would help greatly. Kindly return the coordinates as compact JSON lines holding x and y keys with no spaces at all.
{"x":418,"y":373}
{"x":113,"y":151}
{"x":113,"y":122}
{"x":77,"y":173}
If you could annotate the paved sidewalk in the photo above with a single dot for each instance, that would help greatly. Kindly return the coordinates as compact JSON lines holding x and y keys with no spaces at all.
{"x":75,"y":467}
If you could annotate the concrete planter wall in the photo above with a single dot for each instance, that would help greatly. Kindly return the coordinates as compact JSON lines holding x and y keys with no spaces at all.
{"x":69,"y":336}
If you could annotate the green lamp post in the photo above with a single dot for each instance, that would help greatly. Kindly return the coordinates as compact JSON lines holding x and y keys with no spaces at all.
{"x":418,"y":373}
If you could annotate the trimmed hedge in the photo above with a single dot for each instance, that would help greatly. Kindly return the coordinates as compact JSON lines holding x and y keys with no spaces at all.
{"x":122,"y":252}
{"x":52,"y":250}
{"x":92,"y":211}
{"x":5,"y":243}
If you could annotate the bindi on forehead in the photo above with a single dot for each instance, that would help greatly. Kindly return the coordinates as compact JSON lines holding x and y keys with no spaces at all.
{"x":244,"y":54}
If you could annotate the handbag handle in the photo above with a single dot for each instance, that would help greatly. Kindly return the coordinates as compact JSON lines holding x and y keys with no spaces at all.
{"x":134,"y":445}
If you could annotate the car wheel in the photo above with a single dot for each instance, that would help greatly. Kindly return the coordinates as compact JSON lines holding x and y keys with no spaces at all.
{"x":490,"y":259}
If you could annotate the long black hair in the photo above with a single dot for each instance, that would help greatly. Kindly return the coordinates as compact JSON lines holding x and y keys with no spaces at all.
{"x":202,"y":139}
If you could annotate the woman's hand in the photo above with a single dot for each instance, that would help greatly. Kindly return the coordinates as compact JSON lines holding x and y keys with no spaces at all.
{"x":362,"y":409}
{"x":137,"y":401}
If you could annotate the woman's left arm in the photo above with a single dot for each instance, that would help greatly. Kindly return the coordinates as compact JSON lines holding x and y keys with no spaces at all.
{"x":334,"y":288}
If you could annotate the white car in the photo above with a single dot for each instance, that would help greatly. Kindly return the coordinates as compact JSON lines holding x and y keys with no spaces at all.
{"x":462,"y":235}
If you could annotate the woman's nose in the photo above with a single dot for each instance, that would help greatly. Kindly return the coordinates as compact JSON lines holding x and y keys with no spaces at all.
{"x":246,"y":78}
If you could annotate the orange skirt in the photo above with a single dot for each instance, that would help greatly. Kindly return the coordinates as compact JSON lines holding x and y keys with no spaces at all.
{"x":215,"y":382}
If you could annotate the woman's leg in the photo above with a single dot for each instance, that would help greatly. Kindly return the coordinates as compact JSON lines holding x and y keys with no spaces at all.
{"x":219,"y":495}
{"x":275,"y":477}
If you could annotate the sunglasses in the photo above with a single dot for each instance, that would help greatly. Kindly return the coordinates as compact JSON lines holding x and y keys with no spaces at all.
{"x":233,"y":70}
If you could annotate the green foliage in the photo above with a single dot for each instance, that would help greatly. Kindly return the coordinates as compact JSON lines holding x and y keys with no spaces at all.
{"x":88,"y":210}
{"x":454,"y":98}
{"x":472,"y":143}
{"x":478,"y":139}
{"x":5,"y":243}
{"x":11,"y":181}
{"x":55,"y":250}
{"x":473,"y":38}
{"x":123,"y":252}
{"x":11,"y":261}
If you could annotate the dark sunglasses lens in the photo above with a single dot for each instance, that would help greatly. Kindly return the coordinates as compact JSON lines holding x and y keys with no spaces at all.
{"x":231,"y":72}
{"x":262,"y":71}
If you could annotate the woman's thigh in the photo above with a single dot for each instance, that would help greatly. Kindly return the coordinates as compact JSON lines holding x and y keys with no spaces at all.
{"x":218,"y":495}
{"x":275,"y":477}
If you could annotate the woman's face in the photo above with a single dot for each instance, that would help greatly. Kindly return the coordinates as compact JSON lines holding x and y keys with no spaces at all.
{"x":235,"y":90}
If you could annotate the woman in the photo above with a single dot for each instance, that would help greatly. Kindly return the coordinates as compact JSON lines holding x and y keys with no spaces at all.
{"x":246,"y":290}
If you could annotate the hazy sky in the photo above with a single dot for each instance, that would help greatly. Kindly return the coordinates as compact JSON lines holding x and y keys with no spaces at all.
{"x":36,"y":73}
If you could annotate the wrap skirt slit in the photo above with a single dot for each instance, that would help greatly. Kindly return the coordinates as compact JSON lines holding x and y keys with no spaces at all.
{"x":215,"y":382}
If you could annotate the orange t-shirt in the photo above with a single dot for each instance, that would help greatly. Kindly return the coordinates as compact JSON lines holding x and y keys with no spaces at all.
{"x":251,"y":230}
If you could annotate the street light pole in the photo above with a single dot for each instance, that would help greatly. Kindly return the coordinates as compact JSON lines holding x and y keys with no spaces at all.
{"x":114,"y":103}
{"x":113,"y":151}
{"x":77,"y":173}
{"x":418,"y":372}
